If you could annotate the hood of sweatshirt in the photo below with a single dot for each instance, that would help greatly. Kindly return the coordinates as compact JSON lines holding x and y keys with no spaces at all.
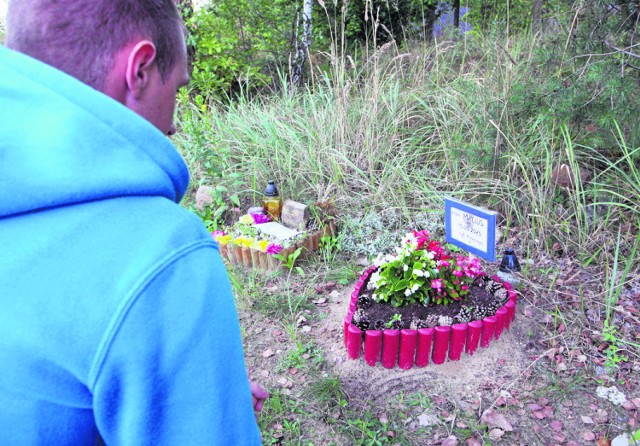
{"x":64,"y":143}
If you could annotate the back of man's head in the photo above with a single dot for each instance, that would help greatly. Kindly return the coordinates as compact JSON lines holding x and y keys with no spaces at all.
{"x":82,"y":37}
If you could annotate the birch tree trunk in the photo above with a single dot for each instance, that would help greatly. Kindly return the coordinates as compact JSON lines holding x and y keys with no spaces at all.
{"x":536,"y":16}
{"x":303,"y":42}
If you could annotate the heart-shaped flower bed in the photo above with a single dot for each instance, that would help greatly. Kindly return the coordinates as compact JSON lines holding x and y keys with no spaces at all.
{"x":425,"y":302}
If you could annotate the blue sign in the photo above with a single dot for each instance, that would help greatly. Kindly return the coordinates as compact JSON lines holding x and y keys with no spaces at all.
{"x":471,"y":228}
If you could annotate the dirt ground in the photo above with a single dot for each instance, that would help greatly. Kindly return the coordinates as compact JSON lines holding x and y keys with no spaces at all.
{"x":536,"y":385}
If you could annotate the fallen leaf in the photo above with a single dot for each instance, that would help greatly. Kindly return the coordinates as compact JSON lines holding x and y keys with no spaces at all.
{"x":539,"y":415}
{"x":586,"y":419}
{"x":473,"y":442}
{"x":629,"y":405}
{"x":496,"y":419}
{"x":556,"y":426}
{"x":427,"y":420}
{"x":450,"y":441}
{"x":496,"y":434}
{"x":391,"y":434}
{"x":306,"y":329}
{"x":319,"y":301}
{"x":559,"y":437}
{"x":267,"y":353}
{"x":534,"y":406}
{"x":604,"y":441}
{"x":588,"y":436}
{"x":334,"y":294}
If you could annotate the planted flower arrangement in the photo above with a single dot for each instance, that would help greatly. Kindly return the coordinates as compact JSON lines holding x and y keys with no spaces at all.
{"x":425,"y":301}
{"x":257,"y":242}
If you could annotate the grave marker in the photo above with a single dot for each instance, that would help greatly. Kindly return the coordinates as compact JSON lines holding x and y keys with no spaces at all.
{"x":471,"y":228}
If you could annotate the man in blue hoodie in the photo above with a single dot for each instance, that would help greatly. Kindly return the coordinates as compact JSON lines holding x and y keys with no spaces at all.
{"x":117,"y":322}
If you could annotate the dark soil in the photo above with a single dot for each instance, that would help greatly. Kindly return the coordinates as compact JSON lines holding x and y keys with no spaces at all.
{"x":480,"y":296}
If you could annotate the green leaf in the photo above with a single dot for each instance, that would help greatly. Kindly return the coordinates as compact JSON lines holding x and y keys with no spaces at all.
{"x":401,"y":285}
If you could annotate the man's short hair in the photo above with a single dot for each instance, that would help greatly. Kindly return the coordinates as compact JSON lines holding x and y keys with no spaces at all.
{"x":82,"y":37}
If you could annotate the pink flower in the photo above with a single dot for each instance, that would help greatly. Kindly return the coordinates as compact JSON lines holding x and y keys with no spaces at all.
{"x":422,"y":237}
{"x":464,"y":287}
{"x":273,"y":248}
{"x":457,"y":273}
{"x":218,"y":233}
{"x":437,"y":284}
{"x":260,"y":218}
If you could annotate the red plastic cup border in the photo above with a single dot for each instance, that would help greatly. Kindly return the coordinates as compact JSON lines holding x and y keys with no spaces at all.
{"x":407,"y":348}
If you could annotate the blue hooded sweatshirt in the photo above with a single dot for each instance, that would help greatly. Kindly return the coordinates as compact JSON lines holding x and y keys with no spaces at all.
{"x":116,"y":315}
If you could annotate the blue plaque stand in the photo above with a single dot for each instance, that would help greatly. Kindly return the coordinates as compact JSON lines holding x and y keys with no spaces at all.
{"x":471,"y":228}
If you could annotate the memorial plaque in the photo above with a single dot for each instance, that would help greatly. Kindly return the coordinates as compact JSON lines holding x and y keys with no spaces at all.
{"x":471,"y":228}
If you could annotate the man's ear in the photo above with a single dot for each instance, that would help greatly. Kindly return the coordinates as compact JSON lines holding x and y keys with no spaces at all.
{"x":139,"y":65}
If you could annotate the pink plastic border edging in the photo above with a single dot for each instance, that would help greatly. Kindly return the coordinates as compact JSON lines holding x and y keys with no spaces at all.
{"x":407,"y":348}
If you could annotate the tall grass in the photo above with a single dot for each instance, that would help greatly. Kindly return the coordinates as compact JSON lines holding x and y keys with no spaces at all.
{"x":402,"y":128}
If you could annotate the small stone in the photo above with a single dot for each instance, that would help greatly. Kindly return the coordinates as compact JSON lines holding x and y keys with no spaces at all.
{"x":204,"y":197}
{"x":294,"y":215}
{"x":267,"y":353}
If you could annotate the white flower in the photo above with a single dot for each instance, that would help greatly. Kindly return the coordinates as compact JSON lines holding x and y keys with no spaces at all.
{"x":407,"y":292}
{"x":430,"y":255}
{"x":418,"y":272}
{"x":414,"y":288}
{"x":373,"y":281}
{"x":374,"y":296}
{"x":405,"y":267}
{"x":410,"y":240}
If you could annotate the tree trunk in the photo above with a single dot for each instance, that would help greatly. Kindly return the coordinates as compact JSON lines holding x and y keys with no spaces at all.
{"x":536,"y":16}
{"x":456,"y":13}
{"x":303,"y":43}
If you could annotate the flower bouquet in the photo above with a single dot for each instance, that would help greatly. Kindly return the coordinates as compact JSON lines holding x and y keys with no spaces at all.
{"x":430,"y":291}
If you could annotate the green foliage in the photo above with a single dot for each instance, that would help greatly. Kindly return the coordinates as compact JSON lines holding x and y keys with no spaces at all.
{"x":290,"y":260}
{"x":239,"y":45}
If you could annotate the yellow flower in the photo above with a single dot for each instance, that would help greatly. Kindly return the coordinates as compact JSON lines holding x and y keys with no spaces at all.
{"x":262,"y":245}
{"x":246,"y":219}
{"x":223,"y":239}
